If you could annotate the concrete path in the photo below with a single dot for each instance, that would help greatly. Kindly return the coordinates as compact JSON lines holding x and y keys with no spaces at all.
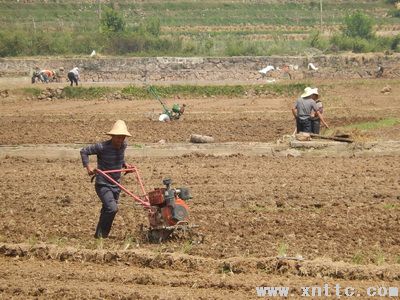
{"x":285,"y":149}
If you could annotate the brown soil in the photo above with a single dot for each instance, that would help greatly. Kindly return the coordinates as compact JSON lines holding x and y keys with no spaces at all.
{"x":341,"y":214}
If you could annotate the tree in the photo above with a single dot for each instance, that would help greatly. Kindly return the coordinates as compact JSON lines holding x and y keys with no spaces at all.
{"x":111,"y":21}
{"x":359,"y":25}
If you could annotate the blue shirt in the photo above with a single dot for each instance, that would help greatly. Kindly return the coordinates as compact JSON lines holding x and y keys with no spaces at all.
{"x":108,"y":158}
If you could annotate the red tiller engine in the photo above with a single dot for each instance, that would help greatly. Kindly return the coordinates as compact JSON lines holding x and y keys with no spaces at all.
{"x":168,"y":206}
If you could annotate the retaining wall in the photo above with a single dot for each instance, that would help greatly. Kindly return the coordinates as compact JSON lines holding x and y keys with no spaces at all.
{"x":170,"y":69}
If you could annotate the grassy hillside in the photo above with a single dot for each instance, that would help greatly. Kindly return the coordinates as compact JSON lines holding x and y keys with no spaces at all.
{"x":191,"y":27}
{"x":191,"y":13}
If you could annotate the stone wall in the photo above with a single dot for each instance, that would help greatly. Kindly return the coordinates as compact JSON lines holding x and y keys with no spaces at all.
{"x":198,"y":69}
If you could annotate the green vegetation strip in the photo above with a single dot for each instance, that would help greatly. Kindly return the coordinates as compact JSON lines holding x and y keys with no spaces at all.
{"x":140,"y":92}
{"x":195,"y":28}
{"x":388,"y":122}
{"x":87,"y":93}
{"x":31,"y":91}
{"x":216,"y":90}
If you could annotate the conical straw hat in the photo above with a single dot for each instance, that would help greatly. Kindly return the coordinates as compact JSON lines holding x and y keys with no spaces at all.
{"x":309,"y":91}
{"x":119,"y":128}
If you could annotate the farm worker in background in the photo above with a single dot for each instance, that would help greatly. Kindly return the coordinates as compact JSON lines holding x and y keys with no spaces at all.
{"x":73,"y":76}
{"x":176,"y":112}
{"x":46,"y":75}
{"x":164,"y":118}
{"x":315,"y":120}
{"x":304,"y":108}
{"x":110,"y":156}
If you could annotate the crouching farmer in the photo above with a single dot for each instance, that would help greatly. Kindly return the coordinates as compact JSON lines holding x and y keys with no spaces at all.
{"x":73,"y":76}
{"x":110,"y":156}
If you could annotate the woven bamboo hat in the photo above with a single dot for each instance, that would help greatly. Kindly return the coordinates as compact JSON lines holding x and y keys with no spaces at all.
{"x":119,"y":128}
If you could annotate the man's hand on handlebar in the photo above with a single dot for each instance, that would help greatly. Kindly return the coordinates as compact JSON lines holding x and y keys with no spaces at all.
{"x":128,"y":166}
{"x":90,"y":171}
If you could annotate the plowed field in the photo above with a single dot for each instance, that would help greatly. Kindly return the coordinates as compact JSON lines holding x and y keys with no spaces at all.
{"x":267,"y":221}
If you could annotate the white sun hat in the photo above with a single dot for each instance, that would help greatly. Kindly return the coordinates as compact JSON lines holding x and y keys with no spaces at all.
{"x":164,"y":118}
{"x":308,"y":91}
{"x":119,"y":128}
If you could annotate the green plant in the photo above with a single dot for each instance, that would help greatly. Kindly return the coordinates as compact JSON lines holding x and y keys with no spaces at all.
{"x":111,"y":21}
{"x":187,"y":247}
{"x":129,"y":240}
{"x":395,"y":13}
{"x":59,"y":241}
{"x":390,"y":206}
{"x":226,"y":268}
{"x":31,"y":91}
{"x":221,"y":90}
{"x":86,"y":93}
{"x":32,"y":240}
{"x":137,"y":146}
{"x":358,"y":25}
{"x":316,"y":41}
{"x":358,"y":258}
{"x":388,"y":122}
{"x":379,"y":258}
{"x":153,"y":26}
{"x":282,"y":249}
{"x":13,"y":43}
{"x":99,"y":244}
{"x":395,"y":41}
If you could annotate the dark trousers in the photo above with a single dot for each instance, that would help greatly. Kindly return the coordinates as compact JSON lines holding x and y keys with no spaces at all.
{"x":109,"y":198}
{"x":303,"y":125}
{"x":297,"y":125}
{"x":72,"y":78}
{"x":315,"y":125}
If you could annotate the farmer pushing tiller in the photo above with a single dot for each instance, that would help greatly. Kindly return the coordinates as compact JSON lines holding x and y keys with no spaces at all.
{"x":167,"y":208}
{"x":168,"y":114}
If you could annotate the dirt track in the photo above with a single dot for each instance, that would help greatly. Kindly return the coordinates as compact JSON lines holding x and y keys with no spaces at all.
{"x":341,"y":214}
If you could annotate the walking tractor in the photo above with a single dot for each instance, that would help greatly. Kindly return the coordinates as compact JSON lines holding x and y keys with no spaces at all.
{"x":168,"y":114}
{"x":168,"y":211}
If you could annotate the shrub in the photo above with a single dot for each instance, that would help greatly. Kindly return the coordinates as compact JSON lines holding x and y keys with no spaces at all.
{"x":136,"y":42}
{"x":395,"y":13}
{"x":153,"y":26}
{"x":85,"y":43}
{"x":358,"y":25}
{"x":86,"y":93}
{"x":316,"y":41}
{"x":41,"y":44}
{"x":239,"y":48}
{"x":111,"y":21}
{"x":341,"y":42}
{"x":13,"y":43}
{"x":360,"y":45}
{"x":395,"y":43}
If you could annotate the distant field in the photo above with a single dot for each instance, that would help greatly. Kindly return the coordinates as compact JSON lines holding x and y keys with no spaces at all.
{"x":248,"y":17}
{"x":204,"y":28}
